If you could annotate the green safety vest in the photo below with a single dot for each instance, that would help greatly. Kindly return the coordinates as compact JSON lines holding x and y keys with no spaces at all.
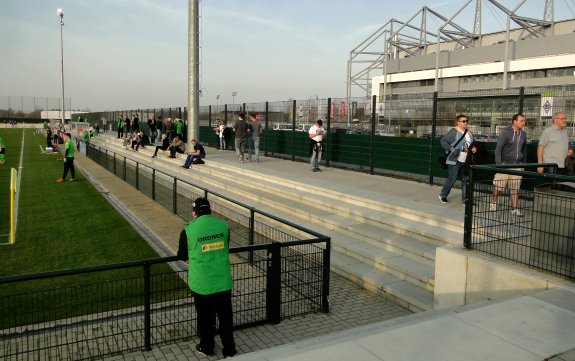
{"x":209,"y":269}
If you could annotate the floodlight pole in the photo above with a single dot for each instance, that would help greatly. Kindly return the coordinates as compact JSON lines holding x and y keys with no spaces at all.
{"x":61,"y":15}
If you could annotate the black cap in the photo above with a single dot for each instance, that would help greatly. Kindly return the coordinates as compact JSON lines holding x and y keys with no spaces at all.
{"x":201,"y":204}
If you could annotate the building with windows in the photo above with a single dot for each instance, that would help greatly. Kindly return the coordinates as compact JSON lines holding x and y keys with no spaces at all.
{"x":532,"y":52}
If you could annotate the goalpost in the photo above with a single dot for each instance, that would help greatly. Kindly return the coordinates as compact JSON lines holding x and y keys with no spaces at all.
{"x":13,"y":189}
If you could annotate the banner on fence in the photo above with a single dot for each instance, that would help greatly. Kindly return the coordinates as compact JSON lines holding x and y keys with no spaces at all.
{"x":546,"y":105}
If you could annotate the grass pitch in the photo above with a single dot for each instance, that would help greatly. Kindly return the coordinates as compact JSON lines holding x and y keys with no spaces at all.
{"x":62,"y":226}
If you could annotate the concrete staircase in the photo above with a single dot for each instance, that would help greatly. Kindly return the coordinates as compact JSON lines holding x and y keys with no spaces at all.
{"x":377,"y":242}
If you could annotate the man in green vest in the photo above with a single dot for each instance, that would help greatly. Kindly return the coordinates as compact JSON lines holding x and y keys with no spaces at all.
{"x":69,"y":159}
{"x":204,"y":243}
{"x":2,"y":151}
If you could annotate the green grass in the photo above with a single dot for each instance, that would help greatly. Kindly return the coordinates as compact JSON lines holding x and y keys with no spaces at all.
{"x":64,"y":226}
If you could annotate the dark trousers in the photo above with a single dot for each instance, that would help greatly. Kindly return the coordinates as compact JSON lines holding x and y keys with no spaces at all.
{"x":120,"y":132}
{"x":174,"y":150}
{"x":207,"y":307}
{"x":69,"y":166}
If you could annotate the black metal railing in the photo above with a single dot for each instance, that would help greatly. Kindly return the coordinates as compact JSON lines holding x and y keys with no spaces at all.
{"x":538,"y":231}
{"x":95,"y":319}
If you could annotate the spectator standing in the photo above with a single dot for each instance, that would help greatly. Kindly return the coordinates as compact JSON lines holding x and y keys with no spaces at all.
{"x":120,"y":126}
{"x":257,"y":130}
{"x":127,"y":125}
{"x":511,"y":149}
{"x":135,"y":122}
{"x":2,"y":151}
{"x":197,"y":153}
{"x":169,"y":126}
{"x":241,"y":128}
{"x":222,"y":136}
{"x":179,"y":128}
{"x":553,"y":144}
{"x":159,"y":126}
{"x":177,"y":146}
{"x":204,"y":244}
{"x":316,"y":134}
{"x":456,"y":142}
{"x":68,"y":159}
{"x":217,"y":132}
{"x":152,"y":128}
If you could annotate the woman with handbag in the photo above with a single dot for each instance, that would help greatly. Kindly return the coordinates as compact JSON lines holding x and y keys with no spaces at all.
{"x":456,"y":142}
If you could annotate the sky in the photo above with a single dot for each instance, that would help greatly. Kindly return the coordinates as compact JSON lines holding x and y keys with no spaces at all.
{"x":133,"y":54}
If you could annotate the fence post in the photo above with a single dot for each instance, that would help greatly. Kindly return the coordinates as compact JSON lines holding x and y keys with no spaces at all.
{"x":265,"y":130}
{"x":147,"y":308}
{"x":174,"y":196}
{"x":328,"y":141}
{"x":468,"y":218}
{"x":154,"y":183}
{"x":293,"y":117}
{"x":209,"y":116}
{"x":521,"y":99}
{"x":273,"y":293}
{"x":138,"y":175}
{"x":431,"y":141}
{"x":326,"y":273}
{"x":105,"y":156}
{"x":251,"y":235}
{"x":125,"y":167}
{"x":373,"y":104}
{"x":115,"y":164}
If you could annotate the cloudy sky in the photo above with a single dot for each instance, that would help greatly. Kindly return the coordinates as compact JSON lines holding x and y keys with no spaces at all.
{"x":121,"y":54}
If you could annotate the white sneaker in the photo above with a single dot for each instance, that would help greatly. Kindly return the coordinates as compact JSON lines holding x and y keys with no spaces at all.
{"x":516,"y":212}
{"x":493,"y":207}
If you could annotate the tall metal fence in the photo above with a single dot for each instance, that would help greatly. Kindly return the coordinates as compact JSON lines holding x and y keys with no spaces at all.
{"x":538,"y":231}
{"x":398,"y":135}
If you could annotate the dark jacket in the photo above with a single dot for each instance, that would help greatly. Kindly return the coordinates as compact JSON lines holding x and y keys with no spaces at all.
{"x":511,"y":147}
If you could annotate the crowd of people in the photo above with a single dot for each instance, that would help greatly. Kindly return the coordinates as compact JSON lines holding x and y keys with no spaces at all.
{"x":463,"y":150}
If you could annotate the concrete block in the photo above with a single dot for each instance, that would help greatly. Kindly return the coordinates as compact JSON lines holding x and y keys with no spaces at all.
{"x":450,"y":278}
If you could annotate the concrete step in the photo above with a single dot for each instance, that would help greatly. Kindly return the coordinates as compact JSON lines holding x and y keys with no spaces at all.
{"x":393,"y":247}
{"x":371,"y":278}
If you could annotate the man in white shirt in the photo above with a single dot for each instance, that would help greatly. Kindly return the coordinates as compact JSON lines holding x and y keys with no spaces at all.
{"x":316,"y":134}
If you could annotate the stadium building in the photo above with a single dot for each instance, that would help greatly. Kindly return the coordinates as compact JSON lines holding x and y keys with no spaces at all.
{"x":530,"y":52}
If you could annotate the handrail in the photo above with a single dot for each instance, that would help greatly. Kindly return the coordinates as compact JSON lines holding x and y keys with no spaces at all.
{"x":227,"y":198}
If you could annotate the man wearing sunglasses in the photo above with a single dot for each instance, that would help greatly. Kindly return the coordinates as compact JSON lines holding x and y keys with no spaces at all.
{"x":456,"y":143}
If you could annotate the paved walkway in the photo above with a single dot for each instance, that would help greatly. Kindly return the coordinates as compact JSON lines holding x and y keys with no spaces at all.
{"x":362,"y":326}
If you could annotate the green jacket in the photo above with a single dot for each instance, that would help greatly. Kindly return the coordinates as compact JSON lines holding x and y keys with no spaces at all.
{"x":179,"y":126}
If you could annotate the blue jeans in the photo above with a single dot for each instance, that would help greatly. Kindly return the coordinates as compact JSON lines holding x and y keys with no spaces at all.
{"x":191,"y":158}
{"x":454,"y":173}
{"x":255,"y":142}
